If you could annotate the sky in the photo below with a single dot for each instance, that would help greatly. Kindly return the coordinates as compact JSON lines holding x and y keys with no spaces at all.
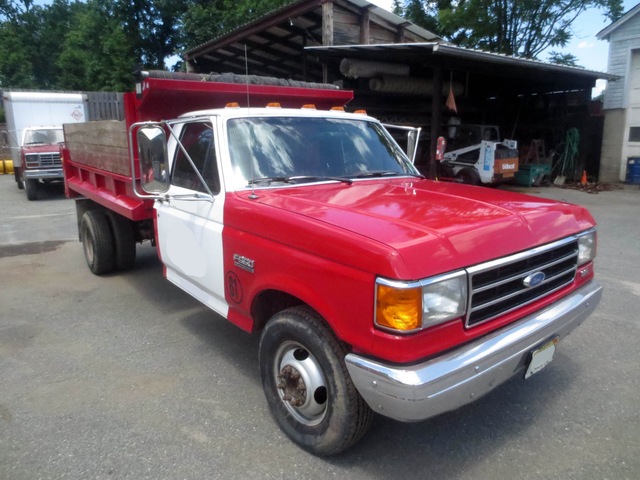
{"x":591,"y":53}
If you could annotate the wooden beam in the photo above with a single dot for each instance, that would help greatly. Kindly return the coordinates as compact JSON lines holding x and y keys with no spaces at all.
{"x":436,"y":118}
{"x":327,"y":24}
{"x":364,"y":27}
{"x":400,"y":31}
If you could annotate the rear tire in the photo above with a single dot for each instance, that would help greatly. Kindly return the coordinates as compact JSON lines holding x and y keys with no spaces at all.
{"x":97,"y":243}
{"x":31,"y":187}
{"x":17,"y":172}
{"x":308,"y":388}
{"x":124,"y":241}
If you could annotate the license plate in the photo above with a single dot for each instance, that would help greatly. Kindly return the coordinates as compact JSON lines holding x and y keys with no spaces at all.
{"x":541,"y":357}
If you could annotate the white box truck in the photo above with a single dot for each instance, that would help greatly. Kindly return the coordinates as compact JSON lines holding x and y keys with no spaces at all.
{"x":34,"y":128}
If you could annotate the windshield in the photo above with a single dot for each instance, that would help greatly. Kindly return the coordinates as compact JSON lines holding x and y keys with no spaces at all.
{"x":306,"y":149}
{"x":48,"y":136}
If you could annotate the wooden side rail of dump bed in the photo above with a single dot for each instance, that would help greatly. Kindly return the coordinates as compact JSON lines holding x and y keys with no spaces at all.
{"x":96,"y":166}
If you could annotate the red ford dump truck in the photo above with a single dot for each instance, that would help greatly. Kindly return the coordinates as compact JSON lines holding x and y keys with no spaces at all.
{"x":372,"y":288}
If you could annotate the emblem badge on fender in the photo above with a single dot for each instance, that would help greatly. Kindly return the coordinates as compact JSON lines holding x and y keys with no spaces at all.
{"x":243,"y":262}
{"x":534,"y":279}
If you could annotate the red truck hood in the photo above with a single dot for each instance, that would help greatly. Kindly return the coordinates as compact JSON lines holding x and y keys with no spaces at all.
{"x":432,"y":227}
{"x":41,"y":148}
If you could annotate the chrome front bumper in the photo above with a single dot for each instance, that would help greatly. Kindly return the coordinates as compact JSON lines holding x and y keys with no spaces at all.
{"x":44,"y":173}
{"x":417,"y":392}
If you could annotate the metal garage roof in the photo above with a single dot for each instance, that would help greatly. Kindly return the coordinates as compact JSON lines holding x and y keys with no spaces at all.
{"x":275,"y":42}
{"x":536,"y":75}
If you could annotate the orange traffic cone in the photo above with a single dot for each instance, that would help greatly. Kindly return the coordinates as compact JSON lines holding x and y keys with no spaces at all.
{"x":583,"y":180}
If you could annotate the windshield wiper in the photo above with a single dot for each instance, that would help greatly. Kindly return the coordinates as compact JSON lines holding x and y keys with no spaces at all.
{"x":377,"y":173}
{"x":268,"y":180}
{"x":320,"y":178}
{"x":386,"y":173}
{"x":297,"y":179}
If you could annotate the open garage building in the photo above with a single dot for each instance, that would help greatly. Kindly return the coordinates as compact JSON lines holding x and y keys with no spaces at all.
{"x":406,"y":75}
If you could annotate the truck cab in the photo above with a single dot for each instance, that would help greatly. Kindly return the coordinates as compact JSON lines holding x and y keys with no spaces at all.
{"x":40,"y":157}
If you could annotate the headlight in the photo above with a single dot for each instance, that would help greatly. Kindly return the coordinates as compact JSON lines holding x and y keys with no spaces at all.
{"x":587,"y":247}
{"x":407,"y":307}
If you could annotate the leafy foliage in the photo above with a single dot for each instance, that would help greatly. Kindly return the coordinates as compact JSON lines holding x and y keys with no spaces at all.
{"x":96,"y":54}
{"x":563,"y":59}
{"x":96,"y":44}
{"x":206,"y":19}
{"x":523,"y":28}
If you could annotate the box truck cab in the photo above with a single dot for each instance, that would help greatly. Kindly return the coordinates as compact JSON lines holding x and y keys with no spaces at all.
{"x":34,"y":127}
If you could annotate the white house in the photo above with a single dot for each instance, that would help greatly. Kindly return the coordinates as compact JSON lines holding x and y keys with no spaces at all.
{"x":621,"y":138}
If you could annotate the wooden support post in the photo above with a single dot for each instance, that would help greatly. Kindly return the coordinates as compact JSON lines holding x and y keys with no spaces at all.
{"x":436,"y":118}
{"x":364,"y":27}
{"x":327,"y":24}
{"x":327,"y":34}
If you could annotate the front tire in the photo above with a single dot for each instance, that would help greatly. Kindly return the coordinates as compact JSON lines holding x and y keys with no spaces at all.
{"x":97,"y":243}
{"x":31,"y":187}
{"x":308,"y":388}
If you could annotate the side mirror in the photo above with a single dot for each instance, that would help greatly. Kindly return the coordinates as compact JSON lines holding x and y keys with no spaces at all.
{"x":412,"y":144}
{"x":413,"y":139}
{"x":152,"y":153}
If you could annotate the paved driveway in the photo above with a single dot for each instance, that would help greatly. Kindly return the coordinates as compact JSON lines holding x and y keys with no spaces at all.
{"x":126,"y":377}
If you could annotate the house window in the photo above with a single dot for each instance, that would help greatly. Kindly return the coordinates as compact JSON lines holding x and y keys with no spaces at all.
{"x":634,"y":134}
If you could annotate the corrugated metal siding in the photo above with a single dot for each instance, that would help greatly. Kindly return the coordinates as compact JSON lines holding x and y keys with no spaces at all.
{"x":104,"y":106}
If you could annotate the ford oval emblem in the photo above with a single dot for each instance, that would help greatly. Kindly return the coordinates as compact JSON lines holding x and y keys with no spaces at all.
{"x":534,"y":279}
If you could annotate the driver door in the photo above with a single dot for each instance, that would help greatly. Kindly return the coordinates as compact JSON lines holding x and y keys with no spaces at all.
{"x":190,"y":228}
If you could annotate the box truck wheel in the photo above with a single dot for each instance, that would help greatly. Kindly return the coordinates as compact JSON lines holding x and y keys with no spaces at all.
{"x":17,"y":174}
{"x":31,"y":187}
{"x":96,"y":242}
{"x":124,"y":241}
{"x":308,"y":388}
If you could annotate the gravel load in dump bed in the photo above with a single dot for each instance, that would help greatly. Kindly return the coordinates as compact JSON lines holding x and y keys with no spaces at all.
{"x":235,"y":78}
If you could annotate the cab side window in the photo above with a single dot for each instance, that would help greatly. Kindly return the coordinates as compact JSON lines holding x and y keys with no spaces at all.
{"x":197,"y":139}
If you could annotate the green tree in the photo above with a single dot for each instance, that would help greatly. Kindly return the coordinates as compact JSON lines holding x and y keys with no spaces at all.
{"x":95,"y":53}
{"x":205,"y":20}
{"x":523,"y":28}
{"x":425,"y":14}
{"x":153,"y":28}
{"x":12,"y":9}
{"x":30,"y":39}
{"x":17,"y":44}
{"x":563,"y":59}
{"x":16,"y":69}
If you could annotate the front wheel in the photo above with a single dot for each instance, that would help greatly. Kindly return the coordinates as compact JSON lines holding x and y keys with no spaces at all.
{"x":31,"y":187}
{"x":306,"y":382}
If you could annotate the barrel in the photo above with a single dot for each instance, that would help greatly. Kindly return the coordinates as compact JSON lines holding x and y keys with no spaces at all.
{"x":633,"y":170}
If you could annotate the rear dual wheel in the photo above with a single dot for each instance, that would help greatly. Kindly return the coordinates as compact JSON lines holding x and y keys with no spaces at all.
{"x":306,"y":383}
{"x":108,"y":241}
{"x":124,"y":241}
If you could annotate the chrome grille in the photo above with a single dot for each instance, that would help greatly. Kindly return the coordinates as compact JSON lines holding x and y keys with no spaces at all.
{"x":43,"y":160}
{"x":498,"y":287}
